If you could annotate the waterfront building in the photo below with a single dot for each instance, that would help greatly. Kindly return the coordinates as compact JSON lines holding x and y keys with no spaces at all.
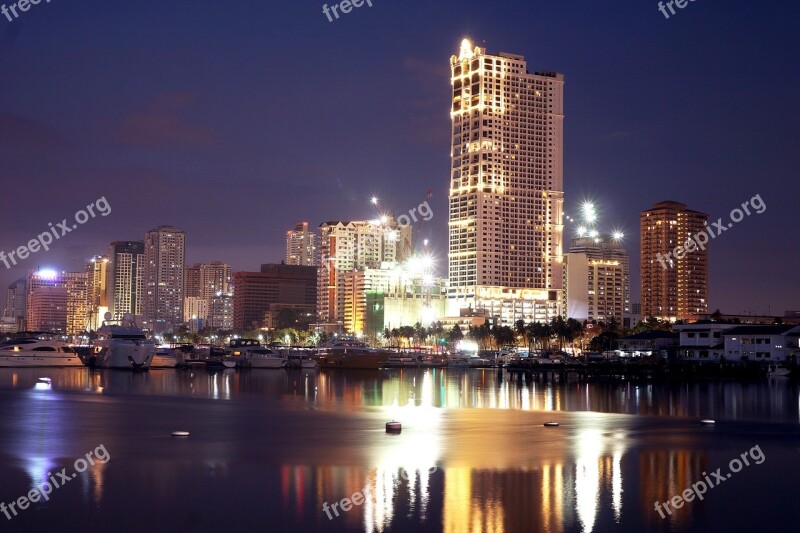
{"x":349,"y":246}
{"x":164,"y":269}
{"x":125,"y":285}
{"x":46,"y":306}
{"x":256,"y":292}
{"x":673,"y":285}
{"x":506,"y":187}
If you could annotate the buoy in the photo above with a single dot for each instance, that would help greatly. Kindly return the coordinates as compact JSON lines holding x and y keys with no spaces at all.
{"x":551,"y":424}
{"x":393,"y":427}
{"x":180,"y":433}
{"x":707,"y":422}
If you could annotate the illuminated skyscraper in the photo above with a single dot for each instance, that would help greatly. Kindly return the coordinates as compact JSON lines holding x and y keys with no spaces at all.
{"x":506,"y":186}
{"x":676,"y":286}
{"x":125,"y":278}
{"x":164,"y":255}
{"x":47,"y":301}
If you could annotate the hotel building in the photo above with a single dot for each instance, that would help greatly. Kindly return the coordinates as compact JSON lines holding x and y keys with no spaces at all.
{"x":204,"y":283}
{"x":506,"y":187}
{"x":676,"y":286}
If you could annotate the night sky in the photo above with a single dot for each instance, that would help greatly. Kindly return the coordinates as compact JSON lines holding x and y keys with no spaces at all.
{"x":234,"y":120}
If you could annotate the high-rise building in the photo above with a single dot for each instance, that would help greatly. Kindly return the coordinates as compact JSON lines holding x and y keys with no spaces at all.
{"x":78,"y":311}
{"x":673,"y":285}
{"x":506,"y":187}
{"x":46,"y":301}
{"x":204,"y":282}
{"x":348,"y":246}
{"x":125,"y":286}
{"x":97,"y":270}
{"x":164,"y":268}
{"x":220,"y":312}
{"x":17,"y":299}
{"x":597,"y":279}
{"x":256,"y":292}
{"x":301,"y":246}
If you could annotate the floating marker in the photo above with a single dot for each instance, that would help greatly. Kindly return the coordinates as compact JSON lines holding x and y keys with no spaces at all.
{"x":551,"y":424}
{"x":180,"y":433}
{"x":393,"y":427}
{"x":707,"y":422}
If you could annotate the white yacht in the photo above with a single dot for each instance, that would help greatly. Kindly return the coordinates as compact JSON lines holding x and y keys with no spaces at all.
{"x":262,"y":357}
{"x":122,"y":346}
{"x":33,"y":352}
{"x":256,"y":356}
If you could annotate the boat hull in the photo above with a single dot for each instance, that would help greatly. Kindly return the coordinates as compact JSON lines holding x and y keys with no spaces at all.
{"x":267,"y":363}
{"x":359,"y":361}
{"x":164,"y":361}
{"x":125,"y":356}
{"x":40,"y":361}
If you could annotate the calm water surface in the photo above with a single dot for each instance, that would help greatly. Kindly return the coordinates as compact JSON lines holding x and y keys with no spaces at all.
{"x":269,"y":448}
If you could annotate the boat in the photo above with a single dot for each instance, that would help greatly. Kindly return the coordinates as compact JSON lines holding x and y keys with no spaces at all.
{"x":403,"y":360}
{"x":298,"y":359}
{"x":464,"y":360}
{"x":350,"y":352}
{"x":164,"y":358}
{"x":775,"y":371}
{"x":122,"y":346}
{"x":34,"y":352}
{"x":252,"y":354}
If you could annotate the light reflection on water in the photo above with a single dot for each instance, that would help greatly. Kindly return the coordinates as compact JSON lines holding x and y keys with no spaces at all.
{"x":473,"y":454}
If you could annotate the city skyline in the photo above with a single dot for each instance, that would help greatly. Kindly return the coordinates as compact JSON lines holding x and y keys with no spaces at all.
{"x":641,"y":118}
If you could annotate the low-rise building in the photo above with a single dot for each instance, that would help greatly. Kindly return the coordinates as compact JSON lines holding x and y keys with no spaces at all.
{"x":701,"y":342}
{"x":758,"y":343}
{"x":648,"y":343}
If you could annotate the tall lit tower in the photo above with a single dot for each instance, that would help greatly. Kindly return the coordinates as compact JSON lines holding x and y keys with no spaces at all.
{"x":164,"y":255}
{"x":125,"y":286}
{"x":676,"y":286}
{"x":506,"y":186}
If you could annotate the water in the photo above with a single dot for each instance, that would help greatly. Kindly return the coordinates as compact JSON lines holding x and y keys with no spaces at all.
{"x":269,"y":448}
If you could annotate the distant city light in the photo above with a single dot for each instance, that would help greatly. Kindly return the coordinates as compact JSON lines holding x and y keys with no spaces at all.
{"x":384,"y":219}
{"x":594,"y":233}
{"x":618,"y":235}
{"x":425,"y":242}
{"x":582,"y":231}
{"x":47,"y":273}
{"x":589,"y":212}
{"x":374,"y":200}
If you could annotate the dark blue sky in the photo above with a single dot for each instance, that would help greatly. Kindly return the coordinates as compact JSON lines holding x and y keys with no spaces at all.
{"x":235,"y":119}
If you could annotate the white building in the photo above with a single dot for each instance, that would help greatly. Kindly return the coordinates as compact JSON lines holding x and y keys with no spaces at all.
{"x":301,"y":246}
{"x":759,"y":343}
{"x":701,"y":342}
{"x":125,"y":286}
{"x":506,"y":187}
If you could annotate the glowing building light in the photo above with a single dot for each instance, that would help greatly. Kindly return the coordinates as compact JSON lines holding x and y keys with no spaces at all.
{"x":47,"y":273}
{"x":374,"y":200}
{"x":618,"y":235}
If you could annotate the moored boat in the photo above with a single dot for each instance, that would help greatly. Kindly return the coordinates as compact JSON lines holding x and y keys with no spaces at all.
{"x":122,"y":346}
{"x":350,"y":352}
{"x":34,"y":352}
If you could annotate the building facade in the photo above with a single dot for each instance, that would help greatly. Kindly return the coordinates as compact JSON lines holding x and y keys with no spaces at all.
{"x":673,"y":285}
{"x":17,"y":300}
{"x":256,"y":292}
{"x":164,"y":269}
{"x":346,"y":247}
{"x":301,"y":246}
{"x":205,"y":282}
{"x":597,"y":279}
{"x":506,"y":187}
{"x":46,"y":301}
{"x":125,"y":285}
